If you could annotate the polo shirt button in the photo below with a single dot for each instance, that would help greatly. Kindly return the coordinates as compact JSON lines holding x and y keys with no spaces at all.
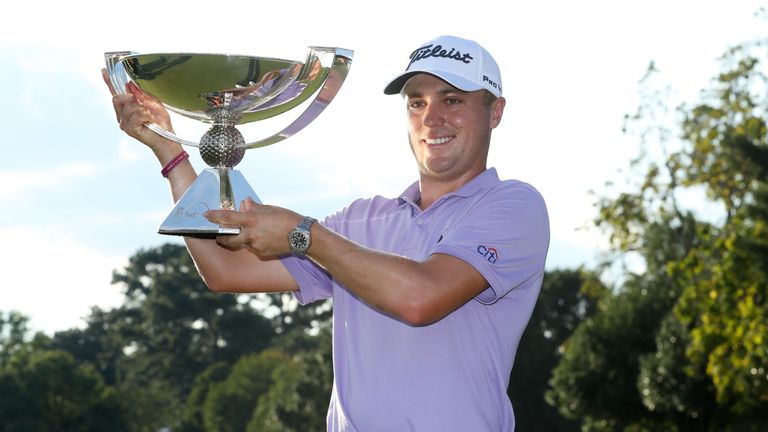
{"x":419,"y":222}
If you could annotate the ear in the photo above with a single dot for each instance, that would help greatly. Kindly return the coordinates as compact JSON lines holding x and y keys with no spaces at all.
{"x":497,"y":110}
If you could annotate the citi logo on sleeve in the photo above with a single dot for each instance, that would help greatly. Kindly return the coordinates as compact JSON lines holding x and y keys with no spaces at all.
{"x":438,"y":51}
{"x":490,"y":254}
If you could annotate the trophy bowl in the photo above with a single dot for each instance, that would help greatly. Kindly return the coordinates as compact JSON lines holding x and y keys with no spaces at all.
{"x":225,"y":91}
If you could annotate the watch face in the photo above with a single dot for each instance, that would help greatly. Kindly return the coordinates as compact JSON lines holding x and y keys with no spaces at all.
{"x":299,"y":241}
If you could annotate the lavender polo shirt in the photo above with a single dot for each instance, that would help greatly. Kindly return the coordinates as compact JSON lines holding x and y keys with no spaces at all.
{"x":451,"y":375}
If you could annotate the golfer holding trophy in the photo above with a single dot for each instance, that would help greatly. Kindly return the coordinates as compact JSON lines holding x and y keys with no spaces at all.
{"x":431,"y":289}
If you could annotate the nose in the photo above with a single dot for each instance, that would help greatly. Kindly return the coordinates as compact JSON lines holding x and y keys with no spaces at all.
{"x":434,"y":115}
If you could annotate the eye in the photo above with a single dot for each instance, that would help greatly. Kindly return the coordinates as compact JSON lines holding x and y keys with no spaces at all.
{"x":415,"y":104}
{"x":453,"y":101}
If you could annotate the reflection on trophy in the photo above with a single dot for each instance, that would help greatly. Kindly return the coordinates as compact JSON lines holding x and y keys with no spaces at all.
{"x":225,"y":91}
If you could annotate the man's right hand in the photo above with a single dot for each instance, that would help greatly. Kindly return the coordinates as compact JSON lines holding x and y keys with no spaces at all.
{"x":134,"y":110}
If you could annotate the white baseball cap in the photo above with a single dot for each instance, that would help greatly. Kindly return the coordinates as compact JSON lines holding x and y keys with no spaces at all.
{"x":461,"y":63}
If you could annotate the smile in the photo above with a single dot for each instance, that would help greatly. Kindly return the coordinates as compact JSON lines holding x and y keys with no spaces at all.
{"x":437,"y":141}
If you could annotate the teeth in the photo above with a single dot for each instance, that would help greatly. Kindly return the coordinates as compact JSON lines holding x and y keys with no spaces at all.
{"x":438,"y":140}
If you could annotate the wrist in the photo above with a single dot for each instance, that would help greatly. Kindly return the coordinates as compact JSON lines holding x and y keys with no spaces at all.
{"x":179,"y":158}
{"x":300,"y":238}
{"x":167,"y":151}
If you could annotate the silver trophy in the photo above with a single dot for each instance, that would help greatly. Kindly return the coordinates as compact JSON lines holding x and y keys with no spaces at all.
{"x":225,"y":91}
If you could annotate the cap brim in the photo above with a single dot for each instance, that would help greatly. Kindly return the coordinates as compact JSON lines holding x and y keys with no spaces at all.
{"x":396,"y":85}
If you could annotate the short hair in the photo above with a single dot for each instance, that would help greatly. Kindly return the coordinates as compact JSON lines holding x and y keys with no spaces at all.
{"x":488,"y":98}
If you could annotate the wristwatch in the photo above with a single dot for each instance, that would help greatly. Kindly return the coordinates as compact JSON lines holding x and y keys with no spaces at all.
{"x":299,"y":239}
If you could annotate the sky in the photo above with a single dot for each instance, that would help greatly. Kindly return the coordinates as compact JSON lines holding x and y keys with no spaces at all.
{"x":81,"y":197}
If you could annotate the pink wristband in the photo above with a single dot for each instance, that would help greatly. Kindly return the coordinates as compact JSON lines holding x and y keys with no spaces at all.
{"x":173,"y":162}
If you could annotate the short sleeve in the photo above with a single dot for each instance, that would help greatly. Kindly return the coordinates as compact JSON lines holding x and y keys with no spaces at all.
{"x":504,"y":236}
{"x":314,"y":282}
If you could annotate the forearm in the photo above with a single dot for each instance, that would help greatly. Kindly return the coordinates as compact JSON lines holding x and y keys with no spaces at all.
{"x":225,"y":270}
{"x":418,"y":293}
{"x":415,"y":292}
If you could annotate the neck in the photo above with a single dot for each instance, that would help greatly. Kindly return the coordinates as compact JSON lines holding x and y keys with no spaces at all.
{"x":432,"y":189}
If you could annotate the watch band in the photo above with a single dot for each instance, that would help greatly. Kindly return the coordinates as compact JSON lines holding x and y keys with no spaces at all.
{"x":306,"y":223}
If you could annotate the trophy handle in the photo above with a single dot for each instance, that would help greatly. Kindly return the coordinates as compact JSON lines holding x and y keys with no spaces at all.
{"x":334,"y":64}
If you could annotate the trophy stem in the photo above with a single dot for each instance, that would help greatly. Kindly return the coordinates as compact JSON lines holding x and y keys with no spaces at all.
{"x":225,"y":189}
{"x":214,"y":188}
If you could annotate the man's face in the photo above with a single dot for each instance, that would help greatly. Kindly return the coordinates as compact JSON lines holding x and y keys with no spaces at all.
{"x":449,"y":129}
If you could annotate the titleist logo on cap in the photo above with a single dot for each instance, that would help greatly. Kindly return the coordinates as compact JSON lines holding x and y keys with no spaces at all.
{"x":438,"y":51}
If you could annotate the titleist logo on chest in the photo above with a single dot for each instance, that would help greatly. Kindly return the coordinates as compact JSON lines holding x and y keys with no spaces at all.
{"x":438,"y":51}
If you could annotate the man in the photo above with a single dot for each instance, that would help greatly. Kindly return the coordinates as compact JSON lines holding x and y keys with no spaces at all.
{"x":431,"y":290}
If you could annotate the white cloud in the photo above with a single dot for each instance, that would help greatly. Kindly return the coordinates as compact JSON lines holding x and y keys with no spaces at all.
{"x":54,"y":279}
{"x":18,"y":182}
{"x":117,"y":219}
{"x":129,"y":150}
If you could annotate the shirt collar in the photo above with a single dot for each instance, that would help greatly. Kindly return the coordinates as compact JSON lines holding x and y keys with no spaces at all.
{"x":412,"y":194}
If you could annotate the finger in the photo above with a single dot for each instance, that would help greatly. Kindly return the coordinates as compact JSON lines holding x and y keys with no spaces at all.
{"x":120,"y":102}
{"x":231,"y":242}
{"x":136,"y":91}
{"x":133,"y":118}
{"x":158,"y":112}
{"x":227,"y":217}
{"x":248,"y":205}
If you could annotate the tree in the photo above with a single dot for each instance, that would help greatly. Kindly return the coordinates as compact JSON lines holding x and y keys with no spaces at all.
{"x":100,"y":343}
{"x":170,"y":353}
{"x":567,"y":297}
{"x":724,"y":301}
{"x":299,"y":397}
{"x":684,"y":400}
{"x":43,"y":390}
{"x":168,"y":330}
{"x":193,"y":413}
{"x":596,"y":380}
{"x":177,"y":327}
{"x":231,"y":403}
{"x":14,"y":331}
{"x":680,"y":345}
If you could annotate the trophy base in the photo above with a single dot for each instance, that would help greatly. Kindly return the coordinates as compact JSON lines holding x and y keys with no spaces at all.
{"x":214,"y":189}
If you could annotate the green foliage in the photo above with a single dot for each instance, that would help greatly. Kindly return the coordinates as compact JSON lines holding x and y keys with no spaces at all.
{"x":13,"y":330}
{"x":725,"y":306}
{"x":173,"y":355}
{"x":44,"y":390}
{"x":727,"y":279}
{"x":667,"y":388}
{"x":680,"y":345}
{"x":231,"y":403}
{"x":100,"y":343}
{"x":170,"y":317}
{"x":567,"y":297}
{"x":193,"y":414}
{"x":596,"y":378}
{"x":298,"y":400}
{"x":149,"y":406}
